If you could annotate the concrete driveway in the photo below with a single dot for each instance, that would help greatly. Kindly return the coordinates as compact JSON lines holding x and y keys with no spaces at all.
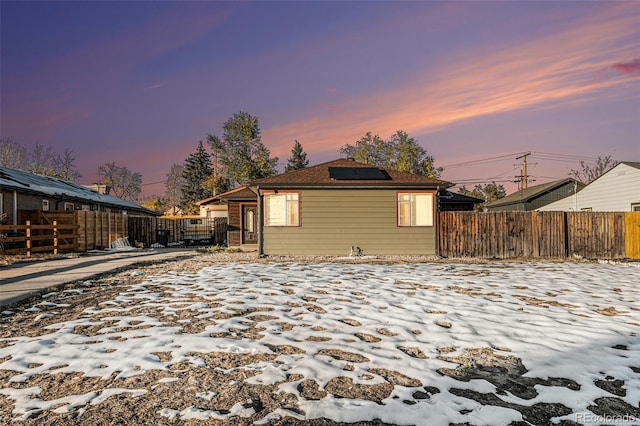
{"x":21,"y":280}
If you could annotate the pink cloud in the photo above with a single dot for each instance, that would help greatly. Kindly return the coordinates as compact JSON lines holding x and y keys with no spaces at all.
{"x":551,"y":70}
{"x":631,"y":68}
{"x":154,"y":86}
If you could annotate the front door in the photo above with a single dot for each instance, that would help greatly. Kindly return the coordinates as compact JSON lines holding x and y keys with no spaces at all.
{"x":249,"y":224}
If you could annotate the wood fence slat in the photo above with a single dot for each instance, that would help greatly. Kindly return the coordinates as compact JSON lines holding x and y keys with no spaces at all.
{"x":632,"y":235}
{"x":503,"y":235}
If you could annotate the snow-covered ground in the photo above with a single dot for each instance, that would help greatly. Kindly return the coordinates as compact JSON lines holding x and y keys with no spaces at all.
{"x":355,"y":341}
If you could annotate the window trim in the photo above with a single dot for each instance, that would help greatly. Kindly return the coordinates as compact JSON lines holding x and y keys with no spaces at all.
{"x":635,"y":207}
{"x":279,"y":192}
{"x":45,"y":205}
{"x":433,"y":208}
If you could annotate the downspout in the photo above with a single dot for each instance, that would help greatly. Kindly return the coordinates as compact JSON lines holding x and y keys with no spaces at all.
{"x":15,"y":207}
{"x":437,"y":221}
{"x":260,"y":224}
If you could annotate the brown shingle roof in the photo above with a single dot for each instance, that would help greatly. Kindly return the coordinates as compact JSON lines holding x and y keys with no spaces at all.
{"x":528,"y":194}
{"x":240,"y":193}
{"x":318,"y":177}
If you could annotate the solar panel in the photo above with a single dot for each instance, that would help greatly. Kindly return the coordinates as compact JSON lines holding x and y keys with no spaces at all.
{"x":357,"y":173}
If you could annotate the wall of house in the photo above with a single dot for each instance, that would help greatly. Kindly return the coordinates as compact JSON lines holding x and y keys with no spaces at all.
{"x":331,"y":221}
{"x":234,"y":237}
{"x":213,"y":210}
{"x":552,"y":196}
{"x":234,"y":224}
{"x":6,"y":206}
{"x":25,"y":202}
{"x":614,"y":191}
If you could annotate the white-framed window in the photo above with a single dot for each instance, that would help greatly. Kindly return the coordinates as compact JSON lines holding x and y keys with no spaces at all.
{"x":282,"y":209}
{"x":415,"y":209}
{"x":635,"y":207}
{"x":69,"y":207}
{"x":45,"y":205}
{"x":586,"y":209}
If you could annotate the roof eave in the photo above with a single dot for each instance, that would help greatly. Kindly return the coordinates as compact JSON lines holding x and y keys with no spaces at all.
{"x":433,"y":186}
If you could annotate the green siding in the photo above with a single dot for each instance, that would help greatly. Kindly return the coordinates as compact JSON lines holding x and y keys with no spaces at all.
{"x":334,"y":220}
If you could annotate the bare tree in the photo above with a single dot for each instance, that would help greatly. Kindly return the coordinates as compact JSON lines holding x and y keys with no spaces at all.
{"x":65,"y":168}
{"x":13,"y":155}
{"x":588,"y":173}
{"x":174,"y":183}
{"x":41,"y":160}
{"x":124,"y":183}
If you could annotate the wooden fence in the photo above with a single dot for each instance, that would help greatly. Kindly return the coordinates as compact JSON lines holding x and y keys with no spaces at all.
{"x":62,"y":231}
{"x":501,"y":235}
{"x":88,"y":230}
{"x":97,"y":230}
{"x":32,"y":238}
{"x":504,"y":235}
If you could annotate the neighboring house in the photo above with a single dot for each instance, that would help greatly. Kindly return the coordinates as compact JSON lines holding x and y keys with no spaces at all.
{"x":617,"y":190}
{"x":22,"y":191}
{"x":329,"y":208}
{"x":454,"y":201}
{"x":537,"y":196}
{"x":212,"y":207}
{"x":242,"y":221}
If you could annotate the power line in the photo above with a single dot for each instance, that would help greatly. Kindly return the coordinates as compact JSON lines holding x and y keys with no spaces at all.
{"x":153,"y":183}
{"x":563,"y":158}
{"x":480,"y":180}
{"x":480,"y":161}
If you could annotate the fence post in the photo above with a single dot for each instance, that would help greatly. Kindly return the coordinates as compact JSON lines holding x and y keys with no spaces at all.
{"x":28,"y":236}
{"x":55,"y":237}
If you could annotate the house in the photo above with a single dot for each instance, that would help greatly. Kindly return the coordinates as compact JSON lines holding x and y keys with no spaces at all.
{"x":212,"y":207}
{"x":22,"y":192}
{"x":537,"y":196}
{"x":456,"y":202}
{"x":242,"y":220}
{"x":330,"y":208}
{"x":617,"y":190}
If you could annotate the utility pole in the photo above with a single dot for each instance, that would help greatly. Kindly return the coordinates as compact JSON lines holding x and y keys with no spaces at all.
{"x":525,"y":177}
{"x":215,"y":170}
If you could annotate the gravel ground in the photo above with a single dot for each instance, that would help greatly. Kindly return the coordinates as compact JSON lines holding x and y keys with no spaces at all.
{"x":227,"y":380}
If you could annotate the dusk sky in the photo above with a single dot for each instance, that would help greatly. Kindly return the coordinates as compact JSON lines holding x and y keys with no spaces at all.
{"x":140,"y":83}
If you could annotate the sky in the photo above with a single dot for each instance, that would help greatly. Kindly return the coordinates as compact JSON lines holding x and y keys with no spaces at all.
{"x":477,"y":84}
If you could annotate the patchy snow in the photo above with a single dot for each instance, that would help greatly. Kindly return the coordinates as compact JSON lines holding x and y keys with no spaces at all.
{"x":576,"y":321}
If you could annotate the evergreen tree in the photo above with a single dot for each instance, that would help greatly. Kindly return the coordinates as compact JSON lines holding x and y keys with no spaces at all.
{"x":298,"y":159}
{"x":489,"y":193}
{"x":240,"y":151}
{"x":197,"y":169}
